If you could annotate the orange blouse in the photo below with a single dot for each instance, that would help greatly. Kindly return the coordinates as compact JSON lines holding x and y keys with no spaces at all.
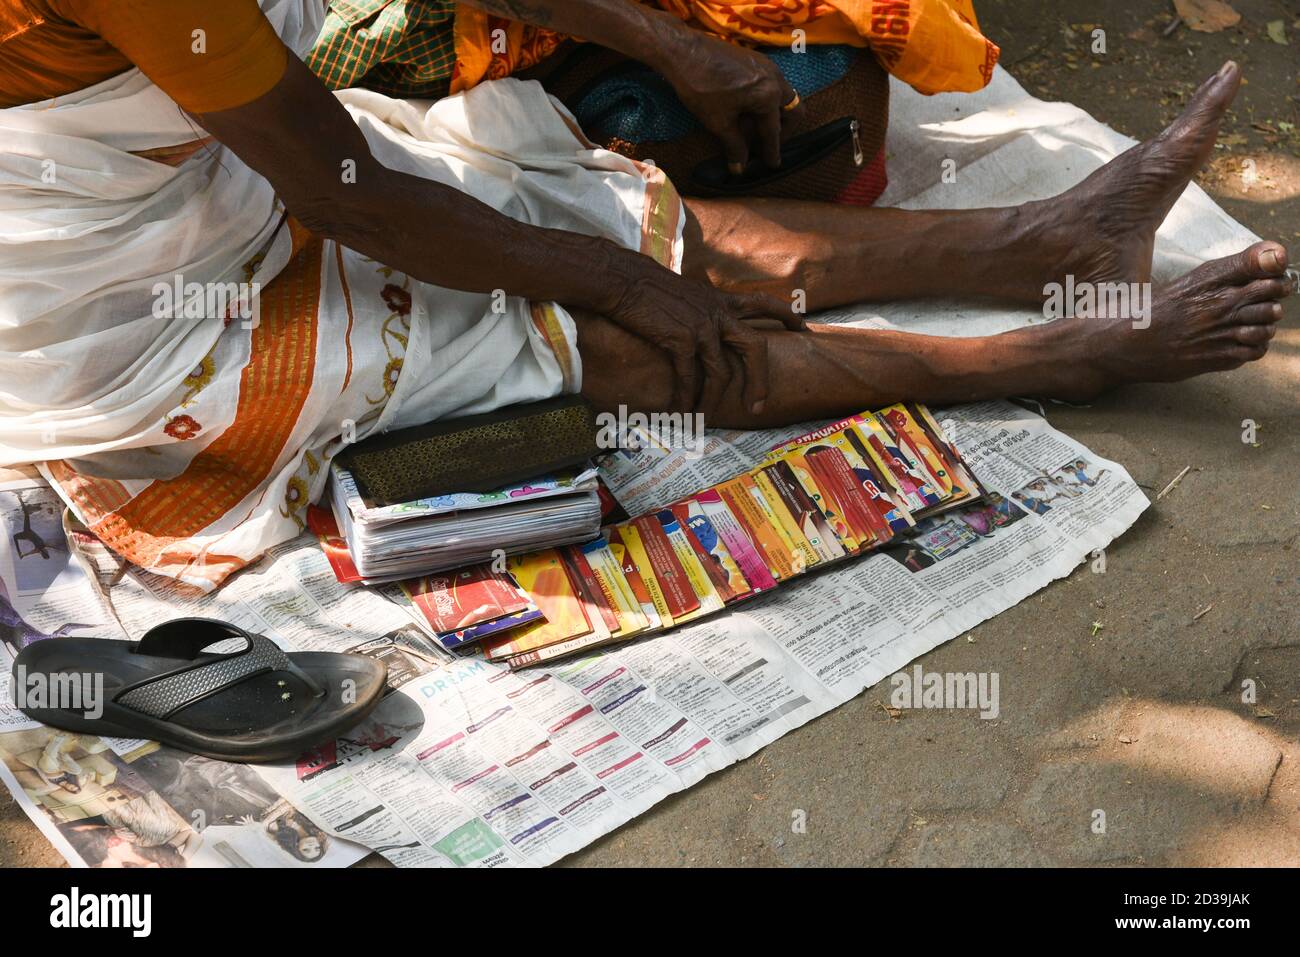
{"x":206,"y":56}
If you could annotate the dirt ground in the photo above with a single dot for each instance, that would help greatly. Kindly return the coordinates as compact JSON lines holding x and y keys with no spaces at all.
{"x":1120,"y":691}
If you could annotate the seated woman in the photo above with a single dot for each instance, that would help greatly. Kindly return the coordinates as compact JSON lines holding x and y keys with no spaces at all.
{"x":411,"y":263}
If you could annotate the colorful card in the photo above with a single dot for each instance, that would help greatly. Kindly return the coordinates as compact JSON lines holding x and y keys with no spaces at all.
{"x":665,"y":566}
{"x":708,"y":598}
{"x":711,"y":551}
{"x":886,"y":502}
{"x":805,"y":513}
{"x":632,"y":575}
{"x":965,"y":484}
{"x":546,"y":580}
{"x":614,"y":586}
{"x":915,"y":444}
{"x":456,"y":600}
{"x":836,"y":477}
{"x":455,"y":640}
{"x":746,"y":502}
{"x":785,"y":522}
{"x":832,"y":502}
{"x":717,"y":555}
{"x":740,"y":547}
{"x":640,"y":559}
{"x":588,"y":589}
{"x":879,"y":446}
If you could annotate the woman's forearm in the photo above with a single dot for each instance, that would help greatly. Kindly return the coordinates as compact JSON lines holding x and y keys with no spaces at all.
{"x":440,"y":235}
{"x":300,"y":137}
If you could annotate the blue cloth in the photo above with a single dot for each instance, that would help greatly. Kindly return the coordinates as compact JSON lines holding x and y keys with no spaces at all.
{"x":637,"y":105}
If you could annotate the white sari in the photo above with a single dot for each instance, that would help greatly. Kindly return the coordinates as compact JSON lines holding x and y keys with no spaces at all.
{"x":191,"y":445}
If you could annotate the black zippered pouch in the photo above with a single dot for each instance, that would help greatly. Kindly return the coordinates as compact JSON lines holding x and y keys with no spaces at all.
{"x":835,"y":147}
{"x":827,"y":145}
{"x":477,"y":453}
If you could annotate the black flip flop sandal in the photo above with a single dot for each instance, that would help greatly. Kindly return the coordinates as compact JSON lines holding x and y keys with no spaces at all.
{"x":251,"y":705}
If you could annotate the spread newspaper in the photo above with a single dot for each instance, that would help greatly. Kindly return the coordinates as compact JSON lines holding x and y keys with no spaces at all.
{"x":467,"y":763}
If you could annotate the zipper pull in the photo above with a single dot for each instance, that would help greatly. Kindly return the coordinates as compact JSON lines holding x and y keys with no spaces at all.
{"x":854,"y":126}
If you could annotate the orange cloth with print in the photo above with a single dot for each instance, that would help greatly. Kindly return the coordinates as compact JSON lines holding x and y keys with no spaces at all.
{"x":51,"y":48}
{"x":935,"y":46}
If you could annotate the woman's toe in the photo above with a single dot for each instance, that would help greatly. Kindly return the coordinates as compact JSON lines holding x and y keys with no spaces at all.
{"x":1257,"y":335}
{"x":1258,"y":314}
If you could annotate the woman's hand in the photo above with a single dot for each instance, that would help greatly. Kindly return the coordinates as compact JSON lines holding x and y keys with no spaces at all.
{"x":691,"y":320}
{"x":735,"y":92}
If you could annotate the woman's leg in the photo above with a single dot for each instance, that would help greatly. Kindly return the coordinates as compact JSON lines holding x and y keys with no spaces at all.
{"x":1101,"y":230}
{"x":1215,"y":318}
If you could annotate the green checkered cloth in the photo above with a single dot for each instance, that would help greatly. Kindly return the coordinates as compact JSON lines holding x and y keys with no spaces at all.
{"x":398,"y":47}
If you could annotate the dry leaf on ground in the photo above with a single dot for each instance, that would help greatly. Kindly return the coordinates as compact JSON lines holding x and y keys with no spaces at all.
{"x":1207,"y":16}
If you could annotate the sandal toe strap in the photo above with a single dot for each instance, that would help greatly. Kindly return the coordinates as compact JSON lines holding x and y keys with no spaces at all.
{"x":162,"y":695}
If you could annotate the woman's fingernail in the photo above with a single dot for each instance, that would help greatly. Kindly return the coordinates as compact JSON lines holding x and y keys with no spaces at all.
{"x":758,"y":407}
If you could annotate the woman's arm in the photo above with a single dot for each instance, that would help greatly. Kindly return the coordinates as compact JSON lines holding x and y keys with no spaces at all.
{"x":732,"y":90}
{"x":301,"y":139}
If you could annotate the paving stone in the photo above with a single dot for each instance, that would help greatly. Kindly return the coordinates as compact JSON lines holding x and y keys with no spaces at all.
{"x":1167,"y":774}
{"x":978,"y":842}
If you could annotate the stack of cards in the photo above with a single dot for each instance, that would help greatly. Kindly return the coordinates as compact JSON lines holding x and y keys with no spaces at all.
{"x":392,"y":542}
{"x":587,"y":597}
{"x":840,"y":491}
{"x":843,"y":490}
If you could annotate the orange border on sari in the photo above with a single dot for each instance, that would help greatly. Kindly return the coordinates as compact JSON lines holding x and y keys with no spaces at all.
{"x":151,"y":528}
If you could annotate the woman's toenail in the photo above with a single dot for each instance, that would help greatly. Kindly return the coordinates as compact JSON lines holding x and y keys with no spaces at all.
{"x":1269,"y":259}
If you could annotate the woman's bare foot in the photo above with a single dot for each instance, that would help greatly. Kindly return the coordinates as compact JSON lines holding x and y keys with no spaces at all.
{"x":1219,"y":316}
{"x":1105,"y":226}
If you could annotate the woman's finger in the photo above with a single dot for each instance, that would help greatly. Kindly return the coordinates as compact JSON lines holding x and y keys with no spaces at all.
{"x":791,"y":104}
{"x":761,"y":305}
{"x":709,"y":350}
{"x":684,"y":378}
{"x":752,"y":348}
{"x":769,"y":135}
{"x":734,"y":146}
